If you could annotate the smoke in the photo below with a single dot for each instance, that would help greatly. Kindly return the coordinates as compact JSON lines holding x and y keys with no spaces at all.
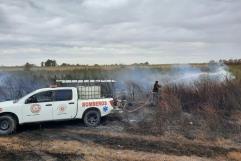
{"x":2,"y":78}
{"x":188,"y":75}
{"x":177,"y":74}
{"x":137,"y":82}
{"x":14,"y":86}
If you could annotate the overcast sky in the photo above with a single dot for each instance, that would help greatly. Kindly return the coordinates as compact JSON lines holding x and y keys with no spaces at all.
{"x":119,"y":31}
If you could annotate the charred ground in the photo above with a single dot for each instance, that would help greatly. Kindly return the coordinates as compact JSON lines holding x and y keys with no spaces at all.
{"x":199,"y":121}
{"x":112,"y":140}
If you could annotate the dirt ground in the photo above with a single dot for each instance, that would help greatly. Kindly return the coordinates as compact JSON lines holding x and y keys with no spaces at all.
{"x":71,"y":140}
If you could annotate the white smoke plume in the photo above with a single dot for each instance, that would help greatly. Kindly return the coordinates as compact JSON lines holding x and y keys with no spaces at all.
{"x":14,"y":86}
{"x":187,"y":75}
{"x":178,"y":74}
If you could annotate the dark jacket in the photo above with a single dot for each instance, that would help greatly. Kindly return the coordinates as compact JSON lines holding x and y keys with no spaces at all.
{"x":156,"y":88}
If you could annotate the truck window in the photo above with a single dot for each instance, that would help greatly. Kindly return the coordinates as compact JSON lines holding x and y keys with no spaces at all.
{"x":63,"y":95}
{"x":41,"y":97}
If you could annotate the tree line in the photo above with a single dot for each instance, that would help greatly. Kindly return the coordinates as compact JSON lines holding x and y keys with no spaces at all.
{"x":230,"y":61}
{"x":53,"y":63}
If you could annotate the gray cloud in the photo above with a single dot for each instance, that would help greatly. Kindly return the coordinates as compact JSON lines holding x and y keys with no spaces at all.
{"x":119,"y":31}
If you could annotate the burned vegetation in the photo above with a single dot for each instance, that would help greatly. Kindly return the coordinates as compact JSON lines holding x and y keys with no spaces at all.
{"x":192,"y":120}
{"x":204,"y":110}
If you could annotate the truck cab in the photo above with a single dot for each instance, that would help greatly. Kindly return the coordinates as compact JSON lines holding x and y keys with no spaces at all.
{"x":50,"y":104}
{"x":55,"y":104}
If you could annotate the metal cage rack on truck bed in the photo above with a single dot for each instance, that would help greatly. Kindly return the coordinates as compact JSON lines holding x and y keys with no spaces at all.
{"x":91,"y":89}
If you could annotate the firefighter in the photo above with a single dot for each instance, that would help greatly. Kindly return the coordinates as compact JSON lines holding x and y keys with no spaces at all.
{"x":155,"y":93}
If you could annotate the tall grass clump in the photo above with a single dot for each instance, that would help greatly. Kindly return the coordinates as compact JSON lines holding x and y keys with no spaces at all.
{"x":206,"y":109}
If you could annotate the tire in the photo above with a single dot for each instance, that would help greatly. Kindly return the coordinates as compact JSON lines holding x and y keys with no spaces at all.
{"x":92,"y":118}
{"x":7,"y":125}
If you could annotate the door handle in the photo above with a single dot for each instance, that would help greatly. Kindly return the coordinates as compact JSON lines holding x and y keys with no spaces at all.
{"x":48,"y":105}
{"x":71,"y":103}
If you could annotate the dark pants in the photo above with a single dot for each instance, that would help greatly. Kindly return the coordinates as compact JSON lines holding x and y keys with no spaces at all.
{"x":155,"y":98}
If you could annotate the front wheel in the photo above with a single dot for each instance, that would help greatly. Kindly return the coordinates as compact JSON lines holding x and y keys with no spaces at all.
{"x":92,"y":118}
{"x":7,"y":125}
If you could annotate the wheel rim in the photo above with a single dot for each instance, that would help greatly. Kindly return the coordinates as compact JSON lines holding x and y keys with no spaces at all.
{"x":92,"y":118}
{"x":4,"y":125}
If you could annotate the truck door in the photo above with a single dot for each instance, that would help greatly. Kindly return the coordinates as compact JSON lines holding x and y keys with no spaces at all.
{"x":64,"y":106}
{"x":38,"y":107}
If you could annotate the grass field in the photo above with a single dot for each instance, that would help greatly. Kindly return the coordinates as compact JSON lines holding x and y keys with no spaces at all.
{"x":189,"y":123}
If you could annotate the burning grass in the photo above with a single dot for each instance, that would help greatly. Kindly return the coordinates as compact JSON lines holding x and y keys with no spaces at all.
{"x":204,"y":110}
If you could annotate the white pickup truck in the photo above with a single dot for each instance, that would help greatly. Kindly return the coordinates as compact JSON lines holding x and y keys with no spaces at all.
{"x":51,"y":104}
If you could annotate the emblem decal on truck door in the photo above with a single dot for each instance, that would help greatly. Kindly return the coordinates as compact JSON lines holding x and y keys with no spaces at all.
{"x":62,"y":109}
{"x":35,"y":108}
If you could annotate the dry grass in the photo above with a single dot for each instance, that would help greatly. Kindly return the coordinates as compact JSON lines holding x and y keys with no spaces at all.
{"x":206,"y":110}
{"x":234,"y":156}
{"x":90,"y":151}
